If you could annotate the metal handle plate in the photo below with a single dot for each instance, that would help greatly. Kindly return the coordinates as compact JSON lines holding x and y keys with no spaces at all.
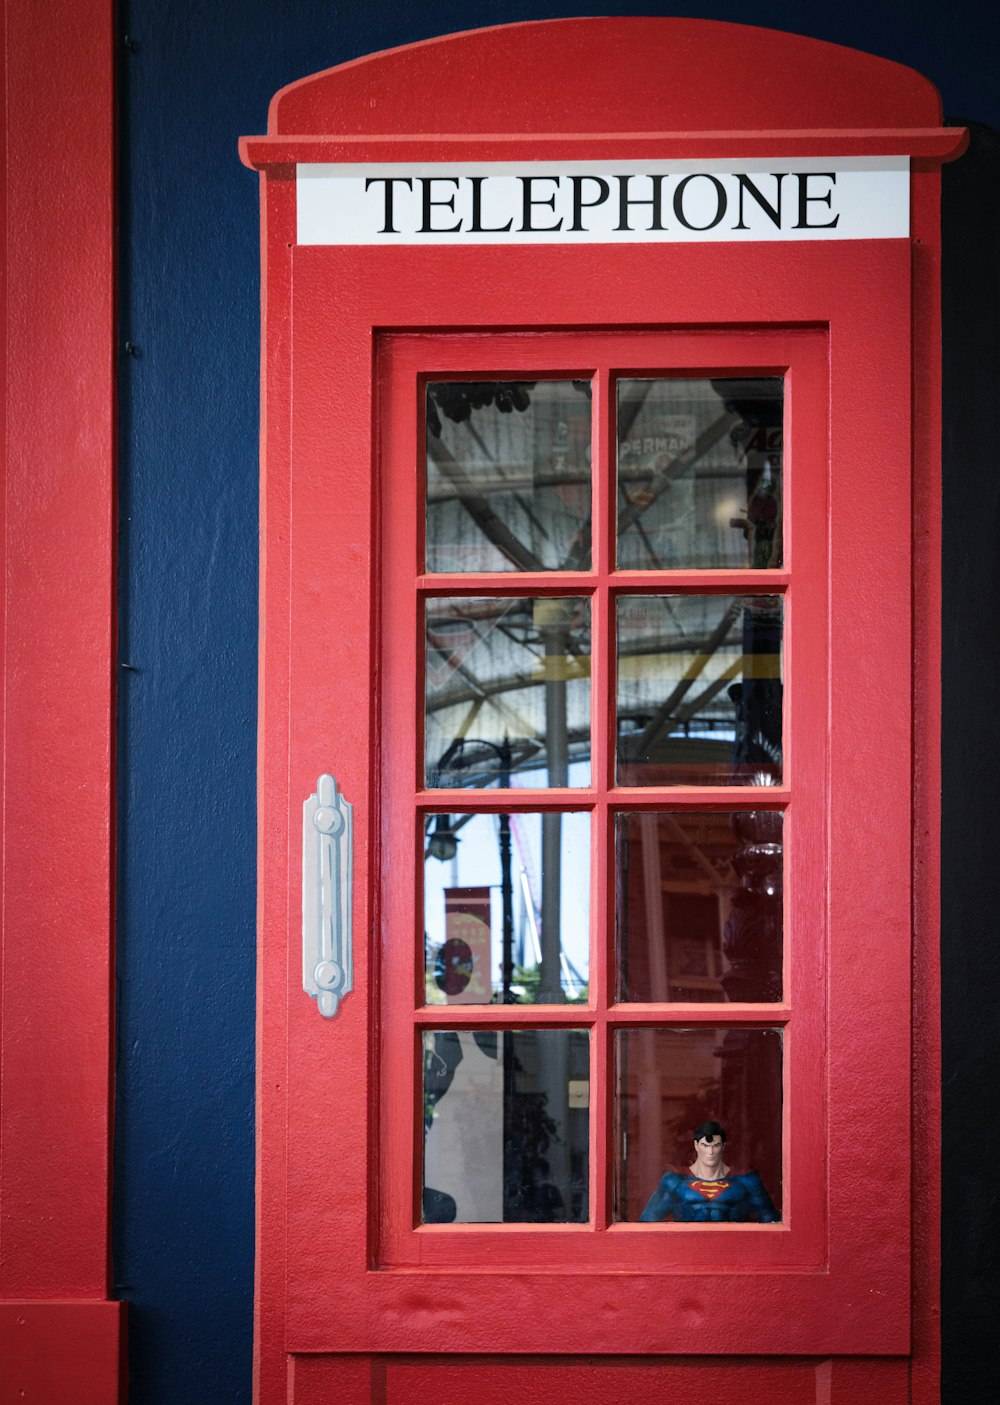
{"x":327,"y":873}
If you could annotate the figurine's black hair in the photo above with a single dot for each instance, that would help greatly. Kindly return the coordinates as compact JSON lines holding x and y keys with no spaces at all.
{"x":710,"y":1129}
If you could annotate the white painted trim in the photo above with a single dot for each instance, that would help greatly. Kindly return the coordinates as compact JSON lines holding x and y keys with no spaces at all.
{"x":579,"y":202}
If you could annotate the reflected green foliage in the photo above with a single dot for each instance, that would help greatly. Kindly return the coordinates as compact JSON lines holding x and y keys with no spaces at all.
{"x":528,"y":981}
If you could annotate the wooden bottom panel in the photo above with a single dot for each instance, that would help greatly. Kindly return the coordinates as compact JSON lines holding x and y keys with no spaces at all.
{"x":62,"y":1353}
{"x":465,"y":1380}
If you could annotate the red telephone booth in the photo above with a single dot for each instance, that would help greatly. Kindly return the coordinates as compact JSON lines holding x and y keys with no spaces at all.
{"x":598,"y":587}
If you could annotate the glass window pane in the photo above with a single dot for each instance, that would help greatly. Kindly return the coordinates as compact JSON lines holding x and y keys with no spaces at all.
{"x":506,"y":909}
{"x":507,"y":692}
{"x":699,"y":473}
{"x":699,"y":905}
{"x":506,"y":1126}
{"x":508,"y":476}
{"x":668,"y":1083}
{"x":699,"y":690}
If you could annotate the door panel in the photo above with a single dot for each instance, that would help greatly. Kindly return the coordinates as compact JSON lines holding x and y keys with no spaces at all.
{"x":361,"y":1273}
{"x":455,"y":1380}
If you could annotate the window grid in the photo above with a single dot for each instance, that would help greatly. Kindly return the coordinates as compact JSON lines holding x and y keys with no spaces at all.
{"x":603,"y":584}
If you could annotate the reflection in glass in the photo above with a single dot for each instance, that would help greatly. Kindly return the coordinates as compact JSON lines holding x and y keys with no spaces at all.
{"x":699,"y":473}
{"x":699,"y":690}
{"x":507,"y":691}
{"x":499,"y":927}
{"x":699,"y":905}
{"x":668,"y":1082}
{"x":505,"y":1126}
{"x":508,"y":476}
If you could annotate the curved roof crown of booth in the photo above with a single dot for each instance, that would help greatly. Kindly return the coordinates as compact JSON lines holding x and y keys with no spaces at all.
{"x":613,"y":76}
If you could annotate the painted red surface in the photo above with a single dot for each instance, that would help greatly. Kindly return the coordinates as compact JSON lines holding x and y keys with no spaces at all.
{"x":925,"y":1358}
{"x":849,"y":1280}
{"x":851,"y":1300}
{"x":55,"y":1352}
{"x":802,"y":357}
{"x":624,"y":75}
{"x":454,"y":1380}
{"x":59,"y":1337}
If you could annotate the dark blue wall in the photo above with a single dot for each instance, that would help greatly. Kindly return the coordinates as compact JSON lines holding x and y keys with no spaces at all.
{"x":194,"y":76}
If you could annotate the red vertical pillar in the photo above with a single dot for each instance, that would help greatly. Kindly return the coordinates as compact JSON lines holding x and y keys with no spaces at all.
{"x":59,"y":1334}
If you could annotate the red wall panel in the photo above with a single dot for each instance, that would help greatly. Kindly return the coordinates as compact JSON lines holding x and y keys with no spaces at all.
{"x":62,"y":1342}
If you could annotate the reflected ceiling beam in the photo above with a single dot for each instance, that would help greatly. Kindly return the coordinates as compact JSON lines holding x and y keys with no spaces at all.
{"x":662,"y":480}
{"x":478,"y":508}
{"x":663,"y":714}
{"x":475,"y":689}
{"x":476,"y":502}
{"x":717,"y":879}
{"x":734,"y":671}
{"x":478,"y":690}
{"x":514,"y":478}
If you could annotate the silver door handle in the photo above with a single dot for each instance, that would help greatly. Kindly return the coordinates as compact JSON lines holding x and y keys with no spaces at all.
{"x":327,"y":873}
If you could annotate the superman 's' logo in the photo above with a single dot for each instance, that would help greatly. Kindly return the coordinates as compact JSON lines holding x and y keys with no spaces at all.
{"x":708,"y":1190}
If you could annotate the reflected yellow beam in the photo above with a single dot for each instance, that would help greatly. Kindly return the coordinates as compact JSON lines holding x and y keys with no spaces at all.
{"x":666,"y":668}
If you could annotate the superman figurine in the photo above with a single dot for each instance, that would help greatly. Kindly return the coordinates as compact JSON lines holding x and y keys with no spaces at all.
{"x":709,"y":1192}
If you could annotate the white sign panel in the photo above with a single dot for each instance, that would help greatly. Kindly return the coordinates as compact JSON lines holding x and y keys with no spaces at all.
{"x":603,"y":202}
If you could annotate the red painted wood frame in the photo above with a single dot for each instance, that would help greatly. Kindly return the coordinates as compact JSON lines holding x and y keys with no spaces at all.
{"x":812,"y":1285}
{"x":60,"y":1336}
{"x":323,"y":1286}
{"x":404,"y":365}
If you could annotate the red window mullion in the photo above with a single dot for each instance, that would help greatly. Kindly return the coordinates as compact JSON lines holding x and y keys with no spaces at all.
{"x":601,"y":762}
{"x":677,"y":1015}
{"x":503,"y":1016}
{"x":716,"y":797}
{"x":601,"y":1123}
{"x":506,"y":584}
{"x":724,"y":581}
{"x":513,"y":801}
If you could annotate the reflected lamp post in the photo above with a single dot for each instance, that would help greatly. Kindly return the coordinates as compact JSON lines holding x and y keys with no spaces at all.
{"x":468,"y":757}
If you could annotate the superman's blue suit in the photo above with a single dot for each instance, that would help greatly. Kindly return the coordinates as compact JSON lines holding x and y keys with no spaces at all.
{"x":733,"y":1199}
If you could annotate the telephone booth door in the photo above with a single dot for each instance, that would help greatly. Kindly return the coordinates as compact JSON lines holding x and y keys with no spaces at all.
{"x":599,"y":392}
